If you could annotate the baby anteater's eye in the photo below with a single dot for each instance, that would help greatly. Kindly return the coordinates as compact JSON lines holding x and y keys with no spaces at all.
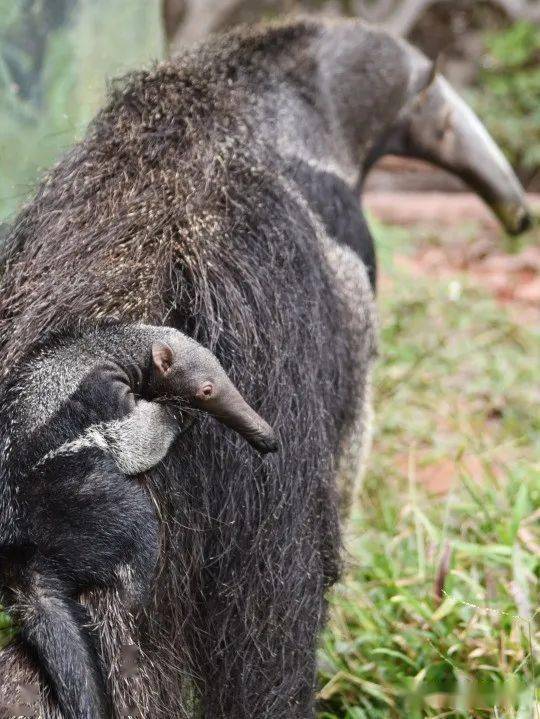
{"x":206,"y":391}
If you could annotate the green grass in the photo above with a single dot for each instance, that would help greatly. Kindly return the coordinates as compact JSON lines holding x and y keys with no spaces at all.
{"x":457,"y":393}
{"x":7,"y":630}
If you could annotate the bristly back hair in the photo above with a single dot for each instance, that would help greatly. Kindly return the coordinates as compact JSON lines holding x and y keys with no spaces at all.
{"x":172,"y":211}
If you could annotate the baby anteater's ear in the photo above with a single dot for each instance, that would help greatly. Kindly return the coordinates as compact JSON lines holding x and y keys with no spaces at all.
{"x":162,"y":357}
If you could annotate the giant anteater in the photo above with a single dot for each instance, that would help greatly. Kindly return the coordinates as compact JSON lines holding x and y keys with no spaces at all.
{"x":84,"y":412}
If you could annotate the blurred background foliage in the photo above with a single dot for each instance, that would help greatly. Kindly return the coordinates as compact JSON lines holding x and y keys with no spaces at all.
{"x":56,"y":56}
{"x":507,"y":94}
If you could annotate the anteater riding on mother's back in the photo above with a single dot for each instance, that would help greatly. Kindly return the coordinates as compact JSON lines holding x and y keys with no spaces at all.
{"x":218,"y":194}
{"x":85,"y":413}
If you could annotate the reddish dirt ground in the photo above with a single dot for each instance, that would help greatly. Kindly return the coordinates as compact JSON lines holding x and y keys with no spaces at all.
{"x":457,"y":233}
{"x":441,"y":475}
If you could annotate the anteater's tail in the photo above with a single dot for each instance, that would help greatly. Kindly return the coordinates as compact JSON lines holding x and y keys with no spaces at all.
{"x":54,"y":628}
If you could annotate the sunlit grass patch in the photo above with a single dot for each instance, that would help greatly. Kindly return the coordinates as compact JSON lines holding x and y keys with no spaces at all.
{"x":438,"y":610}
{"x":438,"y":614}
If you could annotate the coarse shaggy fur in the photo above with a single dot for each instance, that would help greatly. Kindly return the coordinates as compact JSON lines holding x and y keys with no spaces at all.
{"x":174,"y":210}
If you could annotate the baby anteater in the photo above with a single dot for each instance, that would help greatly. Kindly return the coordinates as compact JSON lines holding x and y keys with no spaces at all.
{"x":82,"y":412}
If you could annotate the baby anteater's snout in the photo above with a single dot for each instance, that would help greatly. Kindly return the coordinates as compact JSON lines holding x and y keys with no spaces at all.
{"x":185,"y":369}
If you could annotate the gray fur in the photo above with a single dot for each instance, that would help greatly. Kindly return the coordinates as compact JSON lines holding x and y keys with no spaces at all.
{"x":136,"y":443}
{"x":353,"y":286}
{"x":141,"y":440}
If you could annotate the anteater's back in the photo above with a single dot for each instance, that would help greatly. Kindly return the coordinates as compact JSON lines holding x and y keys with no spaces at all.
{"x":149,"y":195}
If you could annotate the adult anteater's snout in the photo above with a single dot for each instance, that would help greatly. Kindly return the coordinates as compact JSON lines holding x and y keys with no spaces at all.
{"x":464,"y":146}
{"x":438,"y":126}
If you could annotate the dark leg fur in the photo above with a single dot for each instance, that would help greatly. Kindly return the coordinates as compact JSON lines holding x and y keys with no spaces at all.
{"x":93,"y":528}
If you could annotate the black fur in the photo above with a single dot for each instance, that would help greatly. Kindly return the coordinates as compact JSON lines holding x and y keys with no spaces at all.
{"x":337,"y":205}
{"x":91,"y":521}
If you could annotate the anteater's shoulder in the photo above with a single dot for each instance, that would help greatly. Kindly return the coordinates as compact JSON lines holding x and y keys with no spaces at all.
{"x":202,"y":79}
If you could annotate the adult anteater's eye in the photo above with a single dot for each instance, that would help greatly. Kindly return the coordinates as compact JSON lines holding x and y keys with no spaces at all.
{"x":205,"y":391}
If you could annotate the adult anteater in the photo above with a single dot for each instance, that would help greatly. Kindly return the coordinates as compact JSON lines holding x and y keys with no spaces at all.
{"x":218,"y":193}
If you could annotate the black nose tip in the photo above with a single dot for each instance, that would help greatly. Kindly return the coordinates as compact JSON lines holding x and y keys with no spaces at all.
{"x":265,"y":445}
{"x":524,"y":223}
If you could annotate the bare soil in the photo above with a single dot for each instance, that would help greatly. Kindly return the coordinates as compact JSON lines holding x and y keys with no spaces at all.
{"x":457,"y":233}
